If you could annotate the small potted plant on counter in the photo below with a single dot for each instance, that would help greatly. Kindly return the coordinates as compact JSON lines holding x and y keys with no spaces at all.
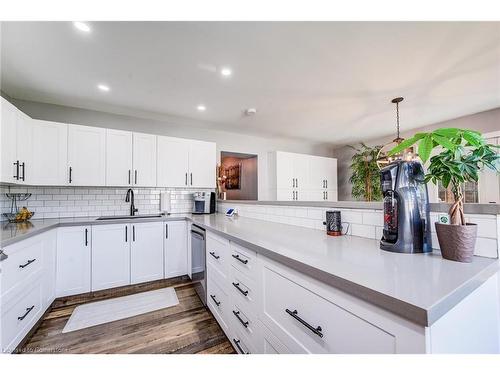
{"x":464,"y":153}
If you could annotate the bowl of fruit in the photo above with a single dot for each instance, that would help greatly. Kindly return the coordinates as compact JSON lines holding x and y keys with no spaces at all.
{"x":21,"y":216}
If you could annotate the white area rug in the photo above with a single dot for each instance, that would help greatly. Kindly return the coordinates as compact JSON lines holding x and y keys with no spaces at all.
{"x":95,"y":313}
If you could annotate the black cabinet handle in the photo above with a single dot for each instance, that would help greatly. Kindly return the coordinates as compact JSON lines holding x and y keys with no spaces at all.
{"x":191,"y":179}
{"x":237,"y":343}
{"x":24,"y":172}
{"x":326,"y":183}
{"x":17,"y":170}
{"x":27,"y":263}
{"x":294,"y":314}
{"x":133,"y":233}
{"x":236,"y":256}
{"x":166,"y":231}
{"x":186,"y":179}
{"x":70,"y":175}
{"x":86,"y":237}
{"x":129,"y":178}
{"x":126,"y":233}
{"x":237,"y":315}
{"x":237,"y":286}
{"x":28,"y":310}
{"x":135,"y":176}
{"x":212,"y":253}
{"x":213,"y":297}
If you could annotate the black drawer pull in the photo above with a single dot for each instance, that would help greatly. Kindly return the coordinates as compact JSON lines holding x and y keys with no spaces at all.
{"x":27,"y":263}
{"x":237,"y":286}
{"x":212,"y":253}
{"x":236,"y":256}
{"x":237,"y":315}
{"x":28,"y":310}
{"x":217,"y":303}
{"x":237,"y":343}
{"x":294,"y":314}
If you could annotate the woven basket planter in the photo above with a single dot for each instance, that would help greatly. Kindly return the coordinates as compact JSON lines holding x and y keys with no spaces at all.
{"x":457,"y":242}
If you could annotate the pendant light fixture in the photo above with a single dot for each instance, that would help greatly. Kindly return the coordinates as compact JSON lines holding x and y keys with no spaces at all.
{"x":382,"y":158}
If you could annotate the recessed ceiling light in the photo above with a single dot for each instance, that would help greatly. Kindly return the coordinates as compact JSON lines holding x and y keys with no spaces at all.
{"x":103,"y":87}
{"x":226,"y":72}
{"x":82,"y":26}
{"x":201,"y":108}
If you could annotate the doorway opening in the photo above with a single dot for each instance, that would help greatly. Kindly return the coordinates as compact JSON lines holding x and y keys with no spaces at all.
{"x":238,"y":176}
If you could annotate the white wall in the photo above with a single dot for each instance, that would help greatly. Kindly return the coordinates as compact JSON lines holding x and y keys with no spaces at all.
{"x":485,"y":122}
{"x":177,"y":127}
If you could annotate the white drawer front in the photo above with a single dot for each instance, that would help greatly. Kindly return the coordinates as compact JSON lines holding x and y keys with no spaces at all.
{"x":241,"y":343}
{"x":244,"y":260}
{"x":306,"y":322}
{"x":245,"y":322}
{"x":218,"y":303}
{"x":217,"y":254}
{"x":243,"y":290}
{"x":269,"y":343}
{"x":19,"y":317}
{"x":25,"y":259}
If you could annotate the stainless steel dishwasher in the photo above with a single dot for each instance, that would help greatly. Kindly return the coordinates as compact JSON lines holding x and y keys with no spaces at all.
{"x":198,"y":261}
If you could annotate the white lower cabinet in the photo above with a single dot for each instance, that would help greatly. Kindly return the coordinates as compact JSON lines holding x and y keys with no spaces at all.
{"x":73,"y":260}
{"x":110,"y":256}
{"x":28,"y":287}
{"x":146,"y":252}
{"x":175,"y":249}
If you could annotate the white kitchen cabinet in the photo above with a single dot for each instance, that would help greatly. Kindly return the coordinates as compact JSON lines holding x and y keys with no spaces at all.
{"x":144,"y":159}
{"x":86,"y":156}
{"x":172,"y":162}
{"x":118,"y":158}
{"x":202,"y":164}
{"x":110,"y":256}
{"x":146,"y":252}
{"x":16,"y":140}
{"x":49,"y":248}
{"x":299,"y":177}
{"x":73,"y":260}
{"x":176,"y":250}
{"x":50,"y":153}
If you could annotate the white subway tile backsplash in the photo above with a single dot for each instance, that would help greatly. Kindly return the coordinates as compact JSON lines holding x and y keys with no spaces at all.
{"x":352,"y":217}
{"x":70,"y":201}
{"x":373,"y":218}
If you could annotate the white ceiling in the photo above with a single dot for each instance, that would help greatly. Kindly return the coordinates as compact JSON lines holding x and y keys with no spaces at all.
{"x":321,"y":81}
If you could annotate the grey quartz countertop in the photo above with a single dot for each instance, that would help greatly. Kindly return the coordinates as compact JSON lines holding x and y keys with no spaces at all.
{"x":418,"y":287}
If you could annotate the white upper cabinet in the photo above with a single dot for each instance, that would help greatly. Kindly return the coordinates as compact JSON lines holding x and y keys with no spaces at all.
{"x":202,"y":164}
{"x":118,"y":158}
{"x":50,"y":152}
{"x":302,"y":177}
{"x":16,"y":140}
{"x":144,"y":159}
{"x":172,"y":162}
{"x":86,"y":156}
{"x":146,"y":252}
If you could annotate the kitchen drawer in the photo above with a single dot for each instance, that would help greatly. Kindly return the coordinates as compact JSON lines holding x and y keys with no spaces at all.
{"x":245,"y":323}
{"x":218,"y":303}
{"x":217,"y":254}
{"x":241,"y":343}
{"x":243,"y":290}
{"x":244,"y":260}
{"x":24,"y":262}
{"x":308,"y":323}
{"x":19,"y":316}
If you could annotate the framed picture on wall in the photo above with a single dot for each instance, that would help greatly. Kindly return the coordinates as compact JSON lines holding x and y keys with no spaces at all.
{"x":233,"y":180}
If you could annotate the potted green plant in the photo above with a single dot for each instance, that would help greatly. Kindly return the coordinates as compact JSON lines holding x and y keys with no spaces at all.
{"x":464,"y":153}
{"x":365,"y":178}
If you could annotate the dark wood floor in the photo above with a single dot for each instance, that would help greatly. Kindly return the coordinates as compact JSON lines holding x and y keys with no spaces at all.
{"x":185,"y":328}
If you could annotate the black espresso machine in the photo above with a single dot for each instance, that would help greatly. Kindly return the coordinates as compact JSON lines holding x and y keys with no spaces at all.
{"x":406,"y":208}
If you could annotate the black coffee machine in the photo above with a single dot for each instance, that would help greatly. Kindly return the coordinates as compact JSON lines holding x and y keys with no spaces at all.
{"x":406,"y":208}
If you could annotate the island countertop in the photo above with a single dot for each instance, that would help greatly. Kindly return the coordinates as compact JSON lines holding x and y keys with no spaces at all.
{"x":418,"y":287}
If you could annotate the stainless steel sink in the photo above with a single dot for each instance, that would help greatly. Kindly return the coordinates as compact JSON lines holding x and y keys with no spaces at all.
{"x":128,"y":217}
